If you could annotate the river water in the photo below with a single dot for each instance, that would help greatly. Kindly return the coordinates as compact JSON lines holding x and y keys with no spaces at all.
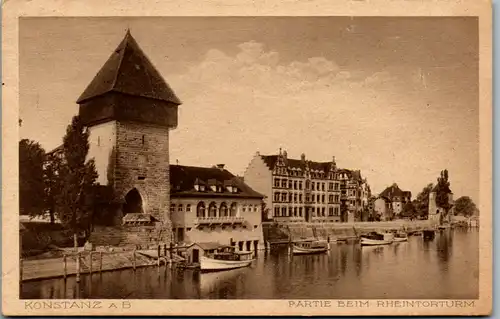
{"x":445,"y":268}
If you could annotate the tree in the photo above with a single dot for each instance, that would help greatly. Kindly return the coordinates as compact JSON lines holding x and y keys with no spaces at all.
{"x":31,"y":183}
{"x":409,"y":211}
{"x":465,"y":206}
{"x":53,"y":184}
{"x":78,"y":177}
{"x":344,"y":211}
{"x":421,"y":203}
{"x":442,"y":193}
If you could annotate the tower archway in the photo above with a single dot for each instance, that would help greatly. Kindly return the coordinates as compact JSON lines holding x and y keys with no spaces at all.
{"x":133,"y":203}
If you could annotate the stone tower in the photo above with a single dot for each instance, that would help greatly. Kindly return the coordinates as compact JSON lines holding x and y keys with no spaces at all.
{"x":129,"y":109}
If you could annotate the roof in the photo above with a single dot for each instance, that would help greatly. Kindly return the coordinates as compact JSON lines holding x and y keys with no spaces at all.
{"x":271,"y":160}
{"x":138,"y":217}
{"x":393,"y":191}
{"x":184,"y":179}
{"x":210,"y":245}
{"x":129,"y":71}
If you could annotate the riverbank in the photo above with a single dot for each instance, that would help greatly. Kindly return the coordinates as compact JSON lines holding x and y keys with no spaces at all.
{"x":300,"y":230}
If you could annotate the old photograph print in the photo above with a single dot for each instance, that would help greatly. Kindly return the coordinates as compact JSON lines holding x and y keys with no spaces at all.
{"x":298,"y":158}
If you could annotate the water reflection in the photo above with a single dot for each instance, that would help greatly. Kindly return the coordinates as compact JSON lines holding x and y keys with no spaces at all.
{"x":413,"y":269}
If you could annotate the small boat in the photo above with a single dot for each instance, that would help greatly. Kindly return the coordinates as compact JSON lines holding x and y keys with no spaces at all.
{"x":428,"y":234}
{"x":374,"y":239}
{"x":226,"y":258}
{"x":309,"y":247}
{"x":400,"y":237}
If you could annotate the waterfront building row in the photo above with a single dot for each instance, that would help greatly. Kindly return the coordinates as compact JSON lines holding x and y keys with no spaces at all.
{"x":304,"y":190}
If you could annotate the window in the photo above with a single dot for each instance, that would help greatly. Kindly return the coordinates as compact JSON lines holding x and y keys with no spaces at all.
{"x":300,"y":211}
{"x":212,"y":210}
{"x":276,"y":211}
{"x":188,"y":208}
{"x":283,"y":197}
{"x":283,"y":183}
{"x":330,"y":211}
{"x":200,"y":210}
{"x":330,"y":198}
{"x":276,"y":196}
{"x":294,"y":198}
{"x":172,"y":208}
{"x":300,"y":198}
{"x":330,"y":186}
{"x":180,"y":208}
{"x":223,"y":211}
{"x":323,"y":211}
{"x":300,"y":185}
{"x":295,"y":211}
{"x":336,"y":210}
{"x":318,"y":198}
{"x":307,"y":184}
{"x":283,"y":211}
{"x":290,"y":184}
{"x":233,"y":210}
{"x":295,"y":185}
{"x":290,"y":211}
{"x":312,"y":185}
{"x":336,"y":186}
{"x":244,"y":208}
{"x":322,"y":198}
{"x":323,"y":187}
{"x":276,"y":182}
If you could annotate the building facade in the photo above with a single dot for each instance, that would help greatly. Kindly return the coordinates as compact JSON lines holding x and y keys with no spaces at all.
{"x":389,"y":204}
{"x":211,"y":205}
{"x":300,"y":190}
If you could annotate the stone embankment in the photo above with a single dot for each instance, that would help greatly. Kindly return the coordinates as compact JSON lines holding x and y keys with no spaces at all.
{"x":301,"y":230}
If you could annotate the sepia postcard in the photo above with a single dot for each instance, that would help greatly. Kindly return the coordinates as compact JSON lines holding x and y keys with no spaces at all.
{"x":297,"y":157}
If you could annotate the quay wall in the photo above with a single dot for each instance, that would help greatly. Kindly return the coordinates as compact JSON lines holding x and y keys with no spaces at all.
{"x":301,"y":230}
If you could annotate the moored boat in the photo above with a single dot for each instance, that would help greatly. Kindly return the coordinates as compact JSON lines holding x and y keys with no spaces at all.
{"x":374,"y":239}
{"x":400,"y":237}
{"x":309,"y":247}
{"x":225,"y":259}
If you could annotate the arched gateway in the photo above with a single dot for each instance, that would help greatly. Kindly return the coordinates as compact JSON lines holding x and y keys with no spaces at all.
{"x":129,"y":110}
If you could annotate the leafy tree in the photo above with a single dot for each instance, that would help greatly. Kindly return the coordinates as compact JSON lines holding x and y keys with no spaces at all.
{"x":465,"y":206}
{"x":344,"y":211}
{"x":421,"y":203}
{"x":442,"y":192}
{"x":53,"y":183}
{"x":78,"y":177}
{"x":409,"y":210}
{"x":31,"y":183}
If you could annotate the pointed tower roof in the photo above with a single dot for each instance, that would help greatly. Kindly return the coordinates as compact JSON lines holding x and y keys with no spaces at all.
{"x":129,"y":71}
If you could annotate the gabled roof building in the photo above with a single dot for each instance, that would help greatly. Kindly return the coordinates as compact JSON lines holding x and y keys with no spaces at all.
{"x":301,"y":190}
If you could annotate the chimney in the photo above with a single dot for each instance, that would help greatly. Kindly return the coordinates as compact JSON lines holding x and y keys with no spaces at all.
{"x":303,"y":157}
{"x":285,"y":154}
{"x":220,"y":166}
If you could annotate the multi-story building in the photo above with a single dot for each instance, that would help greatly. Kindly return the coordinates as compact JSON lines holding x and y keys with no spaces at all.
{"x":299,"y":190}
{"x":209,"y":204}
{"x":391,"y":201}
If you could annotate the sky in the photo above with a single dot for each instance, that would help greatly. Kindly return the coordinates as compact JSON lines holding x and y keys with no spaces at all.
{"x":396,"y":97}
